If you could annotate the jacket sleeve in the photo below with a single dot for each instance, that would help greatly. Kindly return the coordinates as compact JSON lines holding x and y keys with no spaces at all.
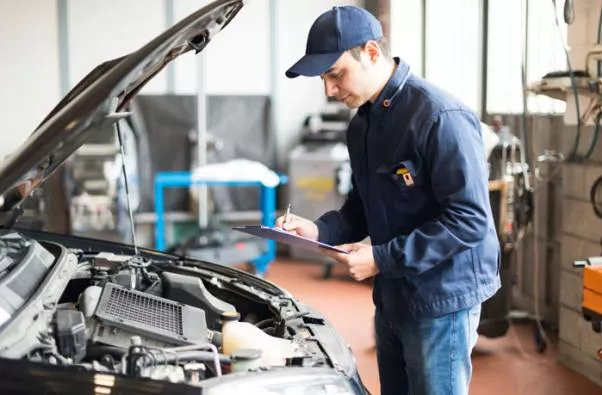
{"x":453,"y":153}
{"x":346,"y":225}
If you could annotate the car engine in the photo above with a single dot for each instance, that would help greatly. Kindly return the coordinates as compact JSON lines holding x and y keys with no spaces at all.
{"x":127,"y":314}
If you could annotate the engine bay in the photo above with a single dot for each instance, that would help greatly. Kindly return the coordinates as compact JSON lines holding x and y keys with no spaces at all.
{"x":171,"y":321}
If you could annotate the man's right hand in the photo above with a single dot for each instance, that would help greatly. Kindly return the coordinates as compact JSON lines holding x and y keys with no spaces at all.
{"x":299,"y":226}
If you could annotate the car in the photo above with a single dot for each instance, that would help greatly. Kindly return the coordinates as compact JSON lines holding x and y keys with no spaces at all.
{"x":81,"y":315}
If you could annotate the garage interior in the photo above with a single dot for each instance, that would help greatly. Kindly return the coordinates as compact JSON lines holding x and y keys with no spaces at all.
{"x":223,"y":139}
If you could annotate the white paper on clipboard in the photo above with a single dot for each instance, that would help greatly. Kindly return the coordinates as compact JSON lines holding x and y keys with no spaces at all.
{"x":285,"y":237}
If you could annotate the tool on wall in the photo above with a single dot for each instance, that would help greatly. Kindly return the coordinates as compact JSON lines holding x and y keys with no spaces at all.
{"x":591,"y":306}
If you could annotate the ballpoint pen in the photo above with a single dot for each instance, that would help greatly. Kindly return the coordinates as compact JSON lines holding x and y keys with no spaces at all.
{"x":287,"y":213}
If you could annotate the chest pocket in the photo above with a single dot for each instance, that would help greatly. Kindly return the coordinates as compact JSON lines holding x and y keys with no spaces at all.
{"x":405,"y":185}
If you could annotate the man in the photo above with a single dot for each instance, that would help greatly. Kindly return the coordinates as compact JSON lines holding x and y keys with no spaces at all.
{"x":420,"y":193}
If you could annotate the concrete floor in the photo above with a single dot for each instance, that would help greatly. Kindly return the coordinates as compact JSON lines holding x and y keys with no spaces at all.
{"x":507,"y":365}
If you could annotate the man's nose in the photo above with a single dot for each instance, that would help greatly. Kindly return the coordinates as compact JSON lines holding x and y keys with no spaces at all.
{"x":330,"y":88}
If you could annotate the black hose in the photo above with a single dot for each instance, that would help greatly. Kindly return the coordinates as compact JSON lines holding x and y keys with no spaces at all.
{"x":97,"y":351}
{"x":593,"y":195}
{"x":261,"y":324}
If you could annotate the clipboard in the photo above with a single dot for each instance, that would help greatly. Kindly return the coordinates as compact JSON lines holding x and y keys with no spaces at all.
{"x":285,"y":237}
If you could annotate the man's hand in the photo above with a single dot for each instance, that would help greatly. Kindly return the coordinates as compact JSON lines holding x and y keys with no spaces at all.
{"x":360,"y":261}
{"x":298,"y":226}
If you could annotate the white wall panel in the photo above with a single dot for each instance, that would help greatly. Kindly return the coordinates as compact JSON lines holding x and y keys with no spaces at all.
{"x":545,"y":54}
{"x":453,"y":48}
{"x":237,"y":60}
{"x":186,"y":66}
{"x":29,"y":70}
{"x":103,"y":30}
{"x":504,"y":82}
{"x":406,"y":32}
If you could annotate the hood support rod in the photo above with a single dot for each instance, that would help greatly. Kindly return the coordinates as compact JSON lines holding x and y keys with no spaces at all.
{"x":125,"y":176}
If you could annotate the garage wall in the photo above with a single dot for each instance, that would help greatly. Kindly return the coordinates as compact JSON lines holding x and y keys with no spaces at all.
{"x":103,"y":30}
{"x":29,"y":70}
{"x":238,"y":59}
{"x":581,"y":229}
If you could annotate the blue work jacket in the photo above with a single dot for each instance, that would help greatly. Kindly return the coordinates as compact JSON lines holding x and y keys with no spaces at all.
{"x":420,"y":192}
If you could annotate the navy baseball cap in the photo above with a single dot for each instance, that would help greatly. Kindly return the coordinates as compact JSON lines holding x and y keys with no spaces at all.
{"x":334,"y":32}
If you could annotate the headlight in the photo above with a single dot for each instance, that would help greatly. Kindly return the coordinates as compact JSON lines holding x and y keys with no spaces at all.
{"x":288,"y":383}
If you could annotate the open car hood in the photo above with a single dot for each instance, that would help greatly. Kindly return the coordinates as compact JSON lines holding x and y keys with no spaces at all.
{"x":101,"y":98}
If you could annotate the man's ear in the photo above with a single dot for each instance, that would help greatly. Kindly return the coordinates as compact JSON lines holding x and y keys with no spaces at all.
{"x":372,"y":50}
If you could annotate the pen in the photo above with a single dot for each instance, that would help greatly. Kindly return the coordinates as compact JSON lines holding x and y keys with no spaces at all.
{"x":287,"y":213}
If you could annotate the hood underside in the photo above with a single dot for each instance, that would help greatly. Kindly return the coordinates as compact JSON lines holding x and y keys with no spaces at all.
{"x":101,"y":98}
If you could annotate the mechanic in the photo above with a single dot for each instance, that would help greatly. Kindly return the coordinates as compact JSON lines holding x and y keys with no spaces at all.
{"x":420,"y":192}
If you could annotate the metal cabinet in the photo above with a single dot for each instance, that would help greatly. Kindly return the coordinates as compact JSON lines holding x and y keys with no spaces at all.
{"x":320,"y":178}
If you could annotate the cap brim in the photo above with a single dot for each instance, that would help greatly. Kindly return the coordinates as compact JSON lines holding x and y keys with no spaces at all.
{"x":313,"y":65}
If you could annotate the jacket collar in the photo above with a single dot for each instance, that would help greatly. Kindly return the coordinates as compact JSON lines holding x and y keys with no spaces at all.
{"x":384,"y":101}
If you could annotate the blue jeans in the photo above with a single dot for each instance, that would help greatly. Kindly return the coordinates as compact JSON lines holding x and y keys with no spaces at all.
{"x":426,"y":356}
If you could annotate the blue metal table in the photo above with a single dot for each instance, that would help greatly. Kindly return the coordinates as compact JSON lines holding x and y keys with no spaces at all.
{"x":184,"y":179}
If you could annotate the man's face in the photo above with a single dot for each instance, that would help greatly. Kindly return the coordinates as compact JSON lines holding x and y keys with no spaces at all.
{"x":349,"y":81}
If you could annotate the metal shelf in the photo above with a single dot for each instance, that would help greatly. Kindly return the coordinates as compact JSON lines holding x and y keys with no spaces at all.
{"x":559,"y":88}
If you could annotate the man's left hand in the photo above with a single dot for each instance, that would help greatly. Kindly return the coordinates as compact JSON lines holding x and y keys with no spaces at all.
{"x":359,"y":261}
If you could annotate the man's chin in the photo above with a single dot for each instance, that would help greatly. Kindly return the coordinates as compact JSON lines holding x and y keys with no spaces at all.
{"x":352,"y":103}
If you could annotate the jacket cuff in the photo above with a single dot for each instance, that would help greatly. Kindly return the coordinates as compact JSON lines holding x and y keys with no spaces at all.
{"x":323,"y":231}
{"x":384,"y":261}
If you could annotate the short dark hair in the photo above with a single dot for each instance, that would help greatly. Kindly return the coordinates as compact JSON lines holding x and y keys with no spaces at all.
{"x":383,"y":44}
